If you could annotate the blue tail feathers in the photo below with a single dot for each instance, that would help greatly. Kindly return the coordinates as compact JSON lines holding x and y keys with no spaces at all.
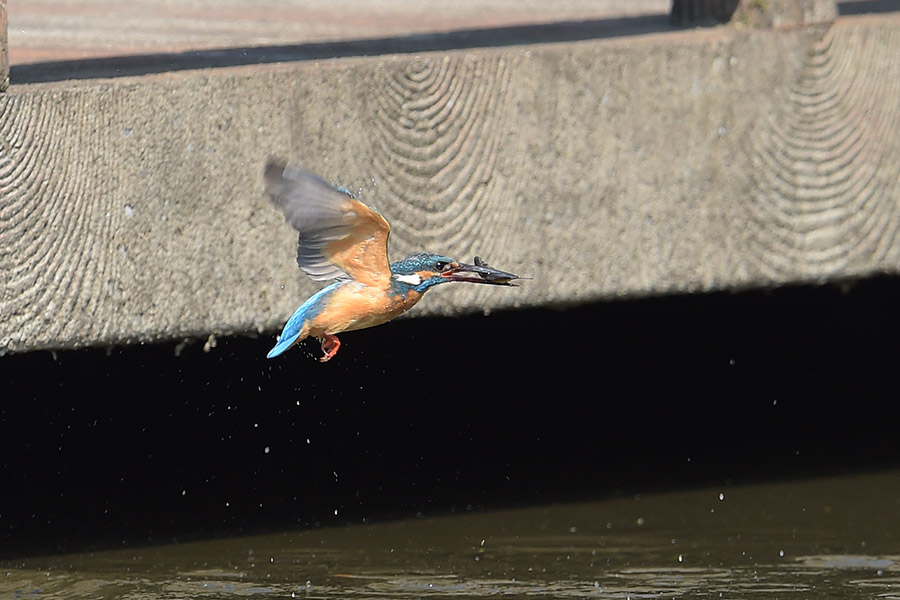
{"x":298,"y":321}
{"x":284,"y":342}
{"x":291,"y":333}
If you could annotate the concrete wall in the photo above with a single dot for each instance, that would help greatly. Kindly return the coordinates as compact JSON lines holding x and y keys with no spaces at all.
{"x":133,"y":209}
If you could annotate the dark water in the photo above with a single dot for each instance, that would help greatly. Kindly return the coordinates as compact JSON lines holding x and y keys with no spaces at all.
{"x":834,"y":538}
{"x":152,"y":471}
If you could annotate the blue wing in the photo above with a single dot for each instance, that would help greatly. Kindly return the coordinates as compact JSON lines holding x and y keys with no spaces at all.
{"x":294,"y":329}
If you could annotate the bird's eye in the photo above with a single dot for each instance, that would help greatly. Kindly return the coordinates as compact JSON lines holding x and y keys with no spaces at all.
{"x":441,"y":266}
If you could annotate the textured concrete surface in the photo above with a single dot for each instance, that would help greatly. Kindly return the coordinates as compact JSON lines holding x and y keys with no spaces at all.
{"x":133,"y":210}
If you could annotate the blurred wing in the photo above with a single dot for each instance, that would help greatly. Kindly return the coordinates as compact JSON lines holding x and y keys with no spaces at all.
{"x":340,"y":237}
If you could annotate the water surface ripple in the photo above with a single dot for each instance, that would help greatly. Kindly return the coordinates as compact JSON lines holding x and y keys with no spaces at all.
{"x":836,"y":538}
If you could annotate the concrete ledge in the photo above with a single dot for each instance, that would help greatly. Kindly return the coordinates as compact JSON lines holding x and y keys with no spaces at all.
{"x":133,"y":210}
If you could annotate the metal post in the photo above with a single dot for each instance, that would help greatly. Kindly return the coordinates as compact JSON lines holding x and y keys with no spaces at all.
{"x":4,"y":49}
{"x":772,"y":13}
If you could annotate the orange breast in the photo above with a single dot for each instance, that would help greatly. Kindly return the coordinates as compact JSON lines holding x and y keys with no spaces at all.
{"x":357,"y":306}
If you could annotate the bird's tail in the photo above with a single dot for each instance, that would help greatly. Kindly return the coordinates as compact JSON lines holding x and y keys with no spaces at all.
{"x":283,"y":344}
{"x":297,"y":327}
{"x":295,"y":330}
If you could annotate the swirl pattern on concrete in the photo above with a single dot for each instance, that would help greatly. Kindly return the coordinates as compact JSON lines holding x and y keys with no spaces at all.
{"x":438,"y":127}
{"x":826,"y":161}
{"x":52,"y":235}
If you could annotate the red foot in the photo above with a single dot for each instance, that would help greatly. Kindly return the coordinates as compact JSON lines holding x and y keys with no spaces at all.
{"x":330,"y":346}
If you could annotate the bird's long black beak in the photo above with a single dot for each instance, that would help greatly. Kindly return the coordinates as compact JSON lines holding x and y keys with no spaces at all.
{"x":480,"y":272}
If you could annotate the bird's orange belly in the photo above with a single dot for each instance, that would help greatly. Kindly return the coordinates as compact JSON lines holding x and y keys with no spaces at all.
{"x":357,"y":306}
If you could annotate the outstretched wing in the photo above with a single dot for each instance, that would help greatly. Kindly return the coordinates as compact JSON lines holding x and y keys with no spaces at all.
{"x":340,"y":237}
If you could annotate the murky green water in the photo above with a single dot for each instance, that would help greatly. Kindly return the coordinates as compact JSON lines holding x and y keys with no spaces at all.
{"x":835,"y":538}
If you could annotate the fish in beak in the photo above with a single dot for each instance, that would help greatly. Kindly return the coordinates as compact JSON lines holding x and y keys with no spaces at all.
{"x":480,"y":272}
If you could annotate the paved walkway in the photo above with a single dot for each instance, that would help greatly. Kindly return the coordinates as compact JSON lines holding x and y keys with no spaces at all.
{"x":50,"y":30}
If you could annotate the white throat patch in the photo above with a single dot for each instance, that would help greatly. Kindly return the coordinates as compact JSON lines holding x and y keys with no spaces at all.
{"x":413,"y":279}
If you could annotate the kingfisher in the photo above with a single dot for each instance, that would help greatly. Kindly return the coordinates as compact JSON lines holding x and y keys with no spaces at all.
{"x":343,"y":239}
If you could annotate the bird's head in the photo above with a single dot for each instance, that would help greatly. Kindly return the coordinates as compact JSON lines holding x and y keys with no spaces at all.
{"x":424,"y":270}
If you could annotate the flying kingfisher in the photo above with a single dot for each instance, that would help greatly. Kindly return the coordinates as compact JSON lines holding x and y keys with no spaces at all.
{"x":343,"y":239}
